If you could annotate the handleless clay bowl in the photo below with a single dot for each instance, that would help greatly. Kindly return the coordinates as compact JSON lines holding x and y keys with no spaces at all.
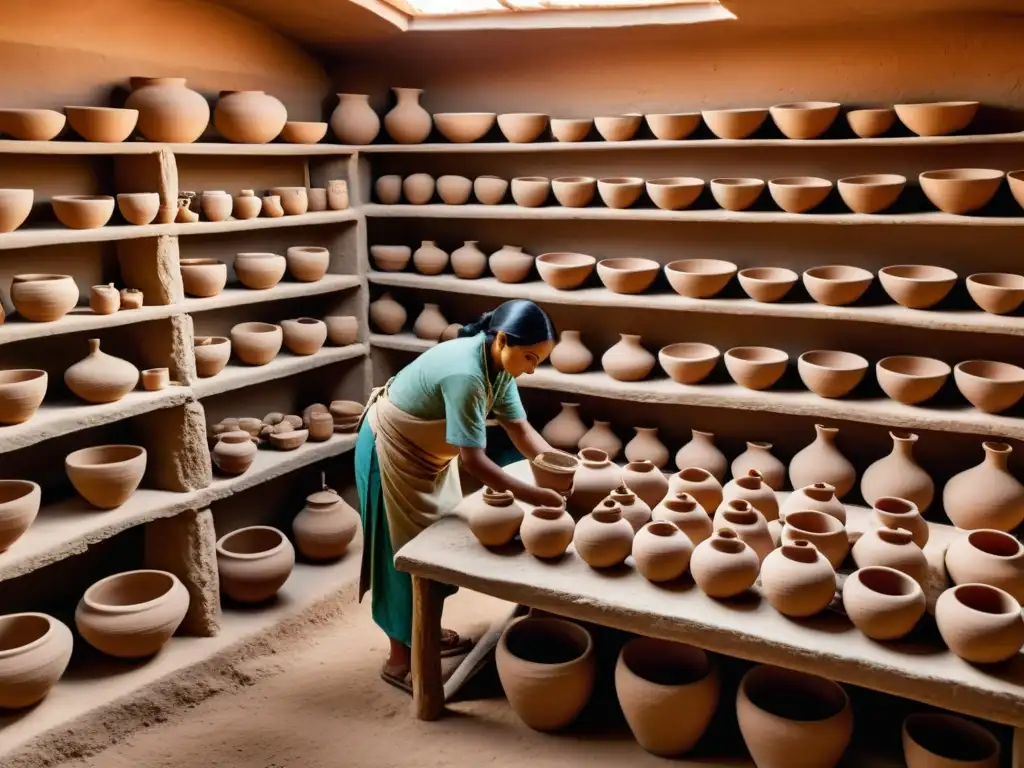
{"x":21,"y":393}
{"x":736,"y":194}
{"x":979,"y":623}
{"x":939,"y":740}
{"x":627,"y":275}
{"x":294,"y":200}
{"x":829,"y":373}
{"x":938,"y":118}
{"x":203,"y":277}
{"x":490,"y":190}
{"x":960,"y":190}
{"x":565,"y":271}
{"x":106,"y":475}
{"x":155,"y":379}
{"x":83,"y":211}
{"x":675,"y":194}
{"x":389,"y":189}
{"x":699,"y":278}
{"x":989,"y":386}
{"x":390,"y":258}
{"x":620,"y":191}
{"x":32,"y":124}
{"x":34,"y":652}
{"x":256,"y":343}
{"x":289,"y":441}
{"x":260,"y":271}
{"x":917,"y":286}
{"x":304,"y":335}
{"x":454,"y":190}
{"x":102,"y":123}
{"x":15,"y":206}
{"x":43,"y":298}
{"x":418,"y":188}
{"x":307,"y":263}
{"x":571,"y":129}
{"x":554,"y":470}
{"x":574,"y":191}
{"x":883,"y":603}
{"x":836,"y":285}
{"x":1016,"y":181}
{"x":871,"y":193}
{"x":804,"y":119}
{"x":767,"y":284}
{"x":140,"y":208}
{"x":996,"y":292}
{"x":522,"y":127}
{"x":911,"y":380}
{"x":688,"y":362}
{"x":254,"y":563}
{"x":342,"y":330}
{"x":870,"y":123}
{"x":734,"y":123}
{"x":756,"y":367}
{"x":618,"y":127}
{"x":673,"y":127}
{"x":530,"y":191}
{"x":799,"y":194}
{"x":212,"y":353}
{"x":463,"y":127}
{"x":19,"y":505}
{"x":303,"y":133}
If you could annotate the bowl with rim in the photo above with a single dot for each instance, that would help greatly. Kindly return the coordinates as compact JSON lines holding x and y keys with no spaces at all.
{"x":736,"y":194}
{"x":937,"y":118}
{"x":673,"y":126}
{"x":909,"y":379}
{"x":960,"y":190}
{"x":620,"y":191}
{"x":674,"y":193}
{"x":688,"y":362}
{"x":872,"y":122}
{"x":107,"y":124}
{"x":734,"y":123}
{"x":988,"y":385}
{"x":917,"y":286}
{"x":767,"y":284}
{"x":618,"y":127}
{"x":756,"y":368}
{"x":836,"y":285}
{"x":83,"y":211}
{"x":831,"y":373}
{"x":699,"y":278}
{"x":464,"y":127}
{"x":627,"y":275}
{"x":522,"y":127}
{"x":996,"y":292}
{"x":571,"y":129}
{"x":574,"y":191}
{"x":563,"y":270}
{"x":799,"y":194}
{"x":804,"y":119}
{"x":871,"y":193}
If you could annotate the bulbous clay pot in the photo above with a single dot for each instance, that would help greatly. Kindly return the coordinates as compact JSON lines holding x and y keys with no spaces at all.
{"x":797,"y":580}
{"x":494,"y":517}
{"x":601,"y":436}
{"x":983,"y":556}
{"x":408,"y":122}
{"x":36,"y":651}
{"x":21,"y":393}
{"x":980,"y":623}
{"x":131,"y":298}
{"x":254,"y":563}
{"x":724,"y":565}
{"x":101,"y":378}
{"x":212,"y":354}
{"x":987,"y":495}
{"x":871,"y":123}
{"x":701,"y":452}
{"x":997,"y":292}
{"x":342,"y":330}
{"x":565,"y":430}
{"x":655,"y":680}
{"x":821,"y":462}
{"x":627,"y":360}
{"x":604,"y":538}
{"x":43,"y":298}
{"x":754,"y":490}
{"x":555,"y":470}
{"x":389,"y":189}
{"x":756,"y":367}
{"x":791,"y":719}
{"x":234,"y":452}
{"x":883,"y":603}
{"x":595,"y":479}
{"x":645,"y":480}
{"x":454,"y":190}
{"x":628,"y":275}
{"x":106,"y":299}
{"x":249,"y":117}
{"x":469,"y":262}
{"x":748,"y":523}
{"x":634,"y":509}
{"x":758,"y":456}
{"x":106,"y":475}
{"x":688,"y":362}
{"x":830,"y":373}
{"x":570,"y":355}
{"x":646,"y":446}
{"x":684,"y":512}
{"x":836,"y":285}
{"x":387,"y":314}
{"x":428,"y":259}
{"x":547,"y":669}
{"x":307,"y":263}
{"x":246,"y":205}
{"x":490,"y":190}
{"x":891,"y":548}
{"x":700,"y":484}
{"x":900,"y":513}
{"x":661,"y":551}
{"x":256,"y":343}
{"x":819,"y":496}
{"x":430,"y":323}
{"x":899,"y":475}
{"x":203,"y":278}
{"x":353,"y":120}
{"x":259,"y":271}
{"x":940,"y":740}
{"x":509,"y":264}
{"x":546,"y":532}
{"x":418,"y":188}
{"x":168,"y":111}
{"x":19,"y":505}
{"x":822,"y":530}
{"x":960,"y":190}
{"x":304,"y":335}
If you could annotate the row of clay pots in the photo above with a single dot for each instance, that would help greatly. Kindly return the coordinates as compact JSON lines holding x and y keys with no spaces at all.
{"x":389,"y":316}
{"x":45,"y":298}
{"x":204,"y":277}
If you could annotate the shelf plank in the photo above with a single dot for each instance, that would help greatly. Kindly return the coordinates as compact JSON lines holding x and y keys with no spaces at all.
{"x":14,"y":147}
{"x":238,"y":295}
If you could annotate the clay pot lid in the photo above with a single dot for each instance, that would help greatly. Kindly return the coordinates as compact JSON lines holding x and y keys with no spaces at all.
{"x":991,"y":371}
{"x":691,"y":351}
{"x":235,"y":436}
{"x":254,"y":542}
{"x":833,"y":360}
{"x":30,"y":630}
{"x":20,"y":375}
{"x":149,"y":587}
{"x":916,"y":367}
{"x":104,"y":455}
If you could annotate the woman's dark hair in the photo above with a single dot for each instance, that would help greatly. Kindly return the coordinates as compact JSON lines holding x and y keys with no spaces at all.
{"x":522,"y":321}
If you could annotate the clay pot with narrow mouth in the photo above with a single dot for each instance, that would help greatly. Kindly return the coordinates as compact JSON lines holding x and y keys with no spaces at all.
{"x":595,"y":478}
{"x":893,"y":548}
{"x":830,"y":373}
{"x":601,"y":436}
{"x":883,"y":603}
{"x":212,"y":354}
{"x":961,"y":190}
{"x":753,"y":489}
{"x":646,"y":447}
{"x":546,"y":532}
{"x":684,"y":512}
{"x":353,"y":120}
{"x":326,"y":526}
{"x":911,"y":380}
{"x":468,"y":261}
{"x":34,"y":652}
{"x":820,"y":497}
{"x":980,"y":623}
{"x":688,"y":362}
{"x":565,"y":271}
{"x":168,"y":111}
{"x":627,"y":275}
{"x":823,"y":462}
{"x":574,"y":191}
{"x":570,"y":355}
{"x":700,"y":484}
{"x":522,"y":127}
{"x":254,"y":563}
{"x":387,"y":315}
{"x":673,"y":126}
{"x":256,"y":343}
{"x":21,"y":393}
{"x":494,"y":517}
{"x":723,"y":565}
{"x":661,"y":551}
{"x":871,"y":193}
{"x":767,"y":284}
{"x":627,"y":360}
{"x":940,"y":740}
{"x":408,"y":122}
{"x":986,"y":495}
{"x":463,"y":127}
{"x":836,"y":285}
{"x":998,"y":293}
{"x":798,"y":580}
{"x":892,"y":512}
{"x":43,"y":298}
{"x":430,"y":323}
{"x":644,"y":479}
{"x":756,"y":368}
{"x":618,"y":127}
{"x":748,"y":523}
{"x":701,"y":452}
{"x":871,"y":123}
{"x":634,"y":508}
{"x":734,"y":123}
{"x":106,"y":475}
{"x":899,"y":475}
{"x":938,"y":118}
{"x":19,"y":505}
{"x":758,"y":456}
{"x":822,"y":530}
{"x":604,"y":538}
{"x":101,"y":378}
{"x":736,"y":194}
{"x":804,"y":119}
{"x":565,"y":430}
{"x":509,"y":264}
{"x":675,"y":193}
{"x":555,"y":470}
{"x":917,"y":286}
{"x":984,"y":556}
{"x":699,"y":278}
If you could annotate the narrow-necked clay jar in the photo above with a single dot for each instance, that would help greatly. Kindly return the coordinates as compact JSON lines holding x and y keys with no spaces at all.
{"x":387,"y":314}
{"x":883,"y":603}
{"x":898,"y":474}
{"x":604,"y":538}
{"x":570,"y":355}
{"x":430,"y":323}
{"x":19,"y":505}
{"x":753,"y":489}
{"x":748,"y":523}
{"x":822,"y":530}
{"x":234,"y":452}
{"x":565,"y":430}
{"x":468,"y":261}
{"x":984,"y":556}
{"x":798,"y":580}
{"x":634,"y":509}
{"x":684,"y":512}
{"x":254,"y":563}
{"x":304,"y":335}
{"x":494,"y":517}
{"x":601,"y":436}
{"x":101,"y":378}
{"x":36,"y":651}
{"x":408,"y":122}
{"x":645,"y":480}
{"x":595,"y":479}
{"x":256,"y":343}
{"x":758,"y":455}
{"x":980,"y":623}
{"x":546,"y":532}
{"x":987,"y":495}
{"x":892,"y":512}
{"x":700,"y":484}
{"x":106,"y":299}
{"x":724,"y":565}
{"x":701,"y":452}
{"x":822,"y":462}
{"x":818,"y":496}
{"x":661,"y":551}
{"x":353,"y":120}
{"x":428,"y":259}
{"x":627,"y":360}
{"x":941,"y":740}
{"x":893,"y":548}
{"x":509,"y":264}
{"x":645,"y":446}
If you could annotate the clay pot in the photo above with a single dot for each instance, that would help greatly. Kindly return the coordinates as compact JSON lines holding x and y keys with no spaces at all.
{"x":655,"y":680}
{"x":595,"y":478}
{"x":15,"y":206}
{"x":820,"y":497}
{"x":494,"y":517}
{"x":688,"y":362}
{"x":463,"y":127}
{"x":156,"y":379}
{"x":36,"y":651}
{"x":547,"y":669}
{"x":389,"y":189}
{"x":627,"y":360}
{"x":254,"y":563}
{"x":822,"y":530}
{"x":883,"y":603}
{"x":899,"y":475}
{"x":700,"y":484}
{"x":604,"y":538}
{"x":246,"y":205}
{"x":701,"y":452}
{"x":939,"y":740}
{"x":21,"y":393}
{"x":32,"y":124}
{"x":454,"y":190}
{"x":892,"y":512}
{"x":699,"y":278}
{"x":634,"y":509}
{"x":469,"y":262}
{"x":571,"y":129}
{"x":960,"y":190}
{"x":574,"y":191}
{"x":354,"y":121}
{"x":752,"y":489}
{"x":408,"y":122}
{"x":203,"y":278}
{"x":767,"y":284}
{"x":293,"y":200}
{"x":168,"y":111}
{"x":987,"y":495}
{"x":989,"y":386}
{"x":646,"y":446}
{"x":601,"y":436}
{"x":249,"y":117}
{"x":683,"y":511}
{"x":983,"y":556}
{"x":979,"y":623}
{"x":748,"y":523}
{"x":723,"y":565}
{"x":346,"y":413}
{"x":734,"y":123}
{"x":321,"y":427}
{"x":390,"y":258}
{"x":260,"y":271}
{"x":822,"y":462}
{"x":570,"y":355}
{"x":836,"y":286}
{"x":791,"y":719}
{"x":530,"y":191}
{"x":304,"y":335}
{"x":804,"y":119}
{"x":430,"y":323}
{"x":256,"y":343}
{"x":83,"y":211}
{"x":673,"y":127}
{"x":736,"y":194}
{"x":627,"y":275}
{"x":318,"y":197}
{"x":1015,"y":179}
{"x":132,"y":615}
{"x":911,"y":380}
{"x":758,"y":456}
{"x":546,"y":532}
{"x":233,"y":452}
{"x":797,"y":580}
{"x":618,"y":127}
{"x":829,"y":373}
{"x":272,"y":207}
{"x":756,"y":367}
{"x":620,"y":191}
{"x":799,"y":194}
{"x":565,"y":430}
{"x":939,"y":118}
{"x":342,"y":330}
{"x":645,"y":480}
{"x":212,"y":354}
{"x":661,"y":551}
{"x":509,"y":264}
{"x":19,"y":505}
{"x":140,"y":208}
{"x":565,"y":271}
{"x":555,"y":470}
{"x":490,"y":190}
{"x":296,"y":132}
{"x":131,"y":298}
{"x":451,"y":332}
{"x":101,"y":378}
{"x":105,"y":299}
{"x":106,"y":475}
{"x":307,"y":263}
{"x":428,"y":259}
{"x":418,"y":188}
{"x":522,"y":127}
{"x":917,"y":286}
{"x":995,"y":292}
{"x":871,"y":123}
{"x":872,"y":193}
{"x":892,"y":548}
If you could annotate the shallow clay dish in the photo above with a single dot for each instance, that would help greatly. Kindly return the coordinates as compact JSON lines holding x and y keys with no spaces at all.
{"x":960,"y":190}
{"x":676,"y":193}
{"x":996,"y":292}
{"x":106,"y":475}
{"x":736,"y":194}
{"x":15,"y":206}
{"x":911,"y":380}
{"x":1016,"y":181}
{"x":836,"y":285}
{"x":522,"y":127}
{"x":734,"y":123}
{"x":490,"y":190}
{"x":618,"y":127}
{"x":391,"y":258}
{"x":756,"y":367}
{"x":673,"y":127}
{"x":871,"y":123}
{"x":989,"y":386}
{"x":530,"y":191}
{"x":939,"y":118}
{"x":871,"y":193}
{"x":31,"y":124}
{"x":799,"y":194}
{"x":767,"y":284}
{"x":699,"y":278}
{"x":464,"y":127}
{"x":828,"y":373}
{"x":571,"y":129}
{"x":620,"y":191}
{"x":203,"y":278}
{"x":565,"y":271}
{"x":917,"y":286}
{"x":83,"y":211}
{"x":688,"y":362}
{"x":295,"y":132}
{"x":804,"y":119}
{"x":574,"y":191}
{"x":289,"y":441}
{"x":21,"y":393}
{"x":628,"y":275}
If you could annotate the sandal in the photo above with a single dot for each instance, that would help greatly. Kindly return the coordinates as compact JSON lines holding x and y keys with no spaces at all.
{"x":454,"y":645}
{"x":401,"y":683}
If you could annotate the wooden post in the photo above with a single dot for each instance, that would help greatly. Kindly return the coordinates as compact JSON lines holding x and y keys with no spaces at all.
{"x":1017,"y":748}
{"x":427,"y":686}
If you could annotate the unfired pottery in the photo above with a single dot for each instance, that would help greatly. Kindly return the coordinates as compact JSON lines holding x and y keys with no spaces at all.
{"x":522,"y":127}
{"x":595,"y":479}
{"x":259,"y":271}
{"x":883,"y":603}
{"x":688,"y":362}
{"x":101,"y":378}
{"x":627,"y":360}
{"x":798,"y":580}
{"x":19,"y":505}
{"x":494,"y":517}
{"x":233,"y":452}
{"x":734,"y":123}
{"x":701,"y":452}
{"x":509,"y":264}
{"x":454,"y":190}
{"x":387,"y":315}
{"x":106,"y":299}
{"x":748,"y":523}
{"x":990,"y":386}
{"x":106,"y":475}
{"x":996,"y":292}
{"x":620,"y":191}
{"x":831,"y":373}
{"x":168,"y":111}
{"x":32,"y":124}
{"x":700,"y":484}
{"x":212,"y":354}
{"x":736,"y":194}
{"x":565,"y":271}
{"x":272,"y":206}
{"x":987,"y":495}
{"x":303,"y":132}
{"x":723,"y":565}
{"x":892,"y":512}
{"x":304,"y":335}
{"x":604,"y":538}
{"x":898,"y":474}
{"x":468,"y":261}
{"x":871,"y":193}
{"x":408,"y":122}
{"x":140,"y":208}
{"x":628,"y":275}
{"x":565,"y":430}
{"x":570,"y":355}
{"x":418,"y":188}
{"x":836,"y":285}
{"x":36,"y":651}
{"x":254,"y":563}
{"x":463,"y":127}
{"x":15,"y":206}
{"x":256,"y":343}
{"x":390,"y":258}
{"x":767,"y":284}
{"x":673,"y":126}
{"x":451,"y":332}
{"x":756,"y":368}
{"x":661,"y":551}
{"x":820,"y":497}
{"x":353,"y":120}
{"x":555,"y":470}
{"x":984,"y":556}
{"x":871,"y":123}
{"x":530,"y":191}
{"x":979,"y":623}
{"x":428,"y":259}
{"x":699,"y":278}
{"x":574,"y":191}
{"x":644,"y":479}
{"x":942,"y":740}
{"x":571,"y":129}
{"x":960,"y":190}
{"x":246,"y":205}
{"x":822,"y":462}
{"x":799,"y":194}
{"x":546,"y":532}
{"x":490,"y":190}
{"x":342,"y":330}
{"x":938,"y":118}
{"x":675,"y":193}
{"x":21,"y":393}
{"x":389,"y":189}
{"x":752,"y":488}
{"x":646,"y":446}
{"x":83,"y":211}
{"x":634,"y":508}
{"x":759,"y":456}
{"x":804,"y":119}
{"x":307,"y":263}
{"x":430,"y":323}
{"x":911,"y":380}
{"x":131,"y":298}
{"x":249,"y":117}
{"x":892,"y":548}
{"x":293,"y":199}
{"x":917,"y":286}
{"x":684,"y":512}
{"x":601,"y":436}
{"x":822,"y":530}
{"x":203,"y":278}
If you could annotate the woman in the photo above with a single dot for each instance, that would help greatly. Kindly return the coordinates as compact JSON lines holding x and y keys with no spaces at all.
{"x":431,"y":413}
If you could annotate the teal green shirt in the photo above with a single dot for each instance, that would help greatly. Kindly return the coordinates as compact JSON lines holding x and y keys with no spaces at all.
{"x":449,"y":381}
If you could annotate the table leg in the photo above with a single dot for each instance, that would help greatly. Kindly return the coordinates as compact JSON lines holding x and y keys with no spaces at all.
{"x":1017,"y":749}
{"x":427,"y":685}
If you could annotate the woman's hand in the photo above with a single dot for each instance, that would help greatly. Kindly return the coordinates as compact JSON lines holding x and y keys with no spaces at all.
{"x":477,"y":463}
{"x":541,"y":497}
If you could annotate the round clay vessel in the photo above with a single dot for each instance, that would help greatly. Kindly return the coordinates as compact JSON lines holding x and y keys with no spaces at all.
{"x":468,"y":261}
{"x":724,"y":565}
{"x":547,"y":669}
{"x":289,"y":440}
{"x":522,"y":127}
{"x":634,"y":509}
{"x":390,"y":258}
{"x":21,"y":393}
{"x":734,"y":123}
{"x":822,"y":462}
{"x":646,"y":447}
{"x":893,"y":548}
{"x":428,"y":259}
{"x":494,"y":517}
{"x":454,"y":190}
{"x":298,"y":132}
{"x":353,"y":120}
{"x":756,"y":367}
{"x":530,"y":191}
{"x":1015,"y":179}
{"x":917,"y":286}
{"x":797,"y":580}
{"x":254,"y":563}
{"x":168,"y":111}
{"x":83,"y":211}
{"x":828,"y":373}
{"x":321,"y":427}
{"x":820,"y":497}
{"x":595,"y":478}
{"x":105,"y":299}
{"x":700,"y":484}
{"x":307,"y":263}
{"x":673,"y":126}
{"x":804,"y":119}
{"x":294,"y":201}
{"x":490,"y":190}
{"x":655,"y":680}
{"x":661,"y":551}
{"x":546,"y":532}
{"x":736,"y":194}
{"x":940,"y":740}
{"x":699,"y":278}
{"x":304,"y":335}
{"x":203,"y":278}
{"x":32,"y":124}
{"x":883,"y":603}
{"x":604,"y":538}
{"x":752,"y":489}
{"x":101,"y":378}
{"x":463,"y":127}
{"x":702,"y":453}
{"x":509,"y":264}
{"x":620,"y":191}
{"x":574,"y":191}
{"x":571,"y":129}
{"x":216,"y":205}
{"x":34,"y":652}
{"x":627,"y":360}
{"x":256,"y":343}
{"x":676,"y":193}
{"x":342,"y":330}
{"x":249,"y":117}
{"x":15,"y":206}
{"x":132,"y":615}
{"x":871,"y":123}
{"x":683,"y":511}
{"x":233,"y":452}
{"x":836,"y":286}
{"x":799,"y":194}
{"x":960,"y":190}
{"x":565,"y":271}
{"x":318,"y":197}
{"x":389,"y":189}
{"x":747,"y":522}
{"x":911,"y":380}
{"x":983,"y":556}
{"x":791,"y":719}
{"x":979,"y":623}
{"x":618,"y":127}
{"x":601,"y":436}
{"x":259,"y":271}
{"x":565,"y":430}
{"x":140,"y":208}
{"x":570,"y":355}
{"x":644,"y":479}
{"x":131,"y":298}
{"x":418,"y":189}
{"x":106,"y":475}
{"x":899,"y":475}
{"x":767,"y":284}
{"x":212,"y":354}
{"x":19,"y":505}
{"x":555,"y":470}
{"x":408,"y":122}
{"x":627,"y":275}
{"x":989,"y":386}
{"x":986,"y":495}
{"x":272,"y":207}
{"x":758,"y":456}
{"x":430,"y":323}
{"x":246,"y":206}
{"x":871,"y":193}
{"x":938,"y":118}
{"x":996,"y":292}
{"x":893,"y":512}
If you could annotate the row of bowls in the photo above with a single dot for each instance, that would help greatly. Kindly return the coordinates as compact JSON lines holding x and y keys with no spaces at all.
{"x":44,"y":298}
{"x":204,"y":277}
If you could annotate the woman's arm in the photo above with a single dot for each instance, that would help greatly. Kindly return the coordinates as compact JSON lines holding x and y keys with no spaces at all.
{"x":525,"y":438}
{"x":478,"y":464}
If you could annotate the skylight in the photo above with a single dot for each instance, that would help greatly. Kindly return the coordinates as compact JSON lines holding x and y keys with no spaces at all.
{"x":468,"y":7}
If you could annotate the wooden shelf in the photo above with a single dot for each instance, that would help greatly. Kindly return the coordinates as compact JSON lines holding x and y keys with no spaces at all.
{"x":14,"y":147}
{"x":238,"y":295}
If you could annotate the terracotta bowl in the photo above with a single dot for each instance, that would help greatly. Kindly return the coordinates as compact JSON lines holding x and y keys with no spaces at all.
{"x":939,"y":118}
{"x":799,"y":194}
{"x":620,"y":191}
{"x":254,"y":563}
{"x":699,"y":278}
{"x":212,"y":354}
{"x":342,"y":330}
{"x":871,"y":123}
{"x":522,"y":127}
{"x":767,"y":284}
{"x":960,"y":190}
{"x":289,"y":441}
{"x":628,"y":275}
{"x":102,"y":123}
{"x":571,"y":129}
{"x":736,"y":194}
{"x":804,"y":119}
{"x":530,"y":191}
{"x":871,"y":193}
{"x":21,"y":393}
{"x":256,"y":343}
{"x":836,"y":285}
{"x":554,"y":470}
{"x":1016,"y":181}
{"x":829,"y":373}
{"x":36,"y":651}
{"x":915,"y":285}
{"x":911,"y":380}
{"x":989,"y":386}
{"x":940,"y":739}
{"x":15,"y":206}
{"x":688,"y":362}
{"x":32,"y":124}
{"x":203,"y":278}
{"x":464,"y":127}
{"x":259,"y":271}
{"x":43,"y":298}
{"x":454,"y":190}
{"x":673,"y":127}
{"x":675,"y":194}
{"x":391,"y":258}
{"x":295,"y":132}
{"x":140,"y":208}
{"x":756,"y":367}
{"x":565,"y":271}
{"x":83,"y":211}
{"x":19,"y":506}
{"x":995,"y":292}
{"x":574,"y":191}
{"x":490,"y":190}
{"x":106,"y":475}
{"x":618,"y":127}
{"x":734,"y":123}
